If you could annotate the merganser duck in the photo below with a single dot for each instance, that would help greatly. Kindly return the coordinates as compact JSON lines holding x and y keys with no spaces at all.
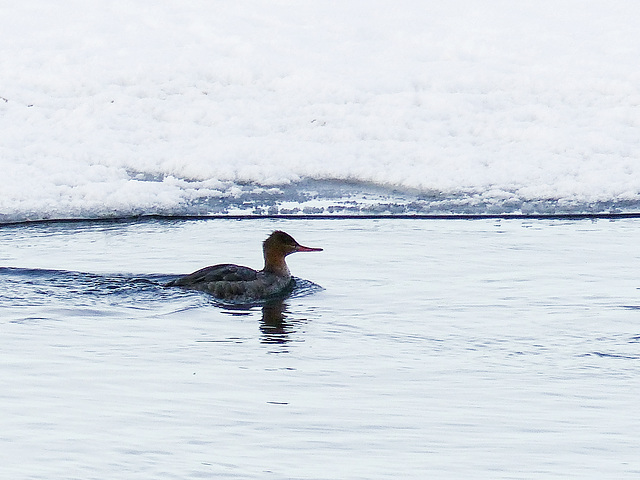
{"x":237,"y":284}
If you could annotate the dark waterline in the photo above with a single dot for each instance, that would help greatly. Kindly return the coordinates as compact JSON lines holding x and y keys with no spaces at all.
{"x":454,"y":216}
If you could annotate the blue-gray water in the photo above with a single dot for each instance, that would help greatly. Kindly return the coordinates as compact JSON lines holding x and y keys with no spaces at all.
{"x":437,"y":349}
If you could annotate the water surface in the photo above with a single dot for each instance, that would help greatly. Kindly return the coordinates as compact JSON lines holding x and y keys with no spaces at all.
{"x":437,"y":349}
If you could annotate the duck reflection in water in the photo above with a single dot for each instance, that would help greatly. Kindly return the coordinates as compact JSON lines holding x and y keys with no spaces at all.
{"x":275,"y":325}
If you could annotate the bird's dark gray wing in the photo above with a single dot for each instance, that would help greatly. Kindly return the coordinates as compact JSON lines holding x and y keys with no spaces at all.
{"x":216,"y":273}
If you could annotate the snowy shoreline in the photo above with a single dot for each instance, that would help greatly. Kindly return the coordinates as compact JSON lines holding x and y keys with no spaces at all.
{"x":135,"y":108}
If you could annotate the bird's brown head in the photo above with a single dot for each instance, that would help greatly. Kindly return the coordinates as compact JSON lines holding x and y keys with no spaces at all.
{"x":277,"y":246}
{"x":285,"y":244}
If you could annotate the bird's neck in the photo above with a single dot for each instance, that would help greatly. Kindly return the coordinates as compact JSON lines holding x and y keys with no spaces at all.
{"x":276,"y":264}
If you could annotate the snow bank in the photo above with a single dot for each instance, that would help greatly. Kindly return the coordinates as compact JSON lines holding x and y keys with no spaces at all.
{"x":138,"y":107}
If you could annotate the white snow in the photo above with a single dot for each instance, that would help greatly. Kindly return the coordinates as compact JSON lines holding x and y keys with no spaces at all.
{"x":133,"y":107}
